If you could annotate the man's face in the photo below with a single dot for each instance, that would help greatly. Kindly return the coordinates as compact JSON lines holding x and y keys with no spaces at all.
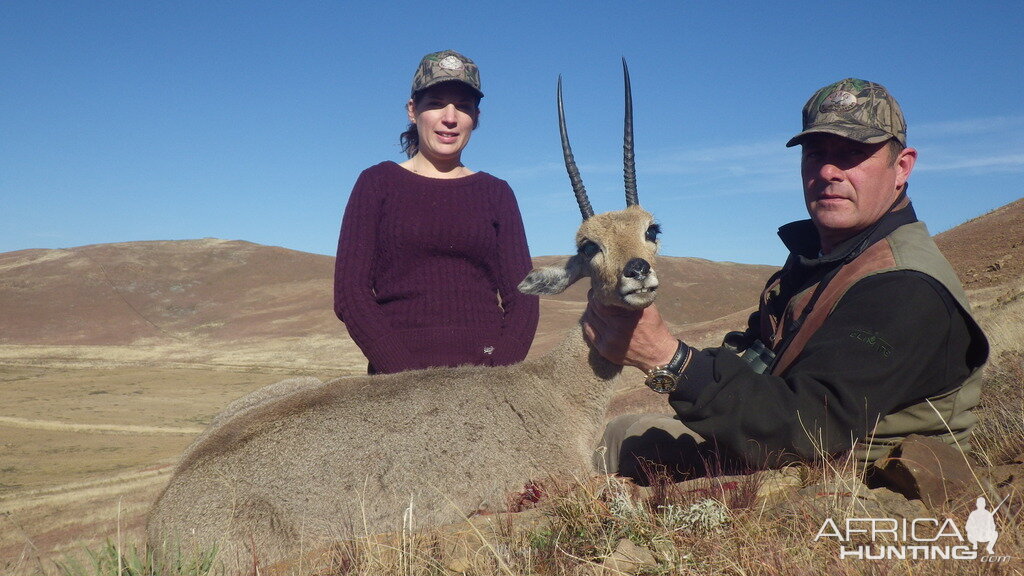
{"x":849,"y":185}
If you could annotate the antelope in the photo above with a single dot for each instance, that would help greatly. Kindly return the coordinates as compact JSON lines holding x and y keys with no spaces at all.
{"x":304,"y":462}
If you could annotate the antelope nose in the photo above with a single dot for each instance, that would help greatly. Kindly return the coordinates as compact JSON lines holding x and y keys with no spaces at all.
{"x":637,"y":268}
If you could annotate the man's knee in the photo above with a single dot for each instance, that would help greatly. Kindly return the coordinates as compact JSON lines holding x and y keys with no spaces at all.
{"x":606,"y":456}
{"x":642,"y":446}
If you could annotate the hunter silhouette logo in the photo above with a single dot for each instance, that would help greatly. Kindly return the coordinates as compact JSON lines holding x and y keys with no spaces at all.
{"x":981,"y":526}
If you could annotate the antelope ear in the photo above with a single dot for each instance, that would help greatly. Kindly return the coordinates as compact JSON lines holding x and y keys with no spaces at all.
{"x":553,"y":279}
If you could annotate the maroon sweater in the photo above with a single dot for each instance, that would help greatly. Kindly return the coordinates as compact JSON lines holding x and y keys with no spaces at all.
{"x":421,"y":265}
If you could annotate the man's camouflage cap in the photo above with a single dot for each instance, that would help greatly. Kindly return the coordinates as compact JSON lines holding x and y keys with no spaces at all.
{"x":446,"y":66}
{"x":854,"y":109}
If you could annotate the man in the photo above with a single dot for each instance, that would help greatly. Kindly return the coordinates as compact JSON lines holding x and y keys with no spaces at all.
{"x":864,"y":337}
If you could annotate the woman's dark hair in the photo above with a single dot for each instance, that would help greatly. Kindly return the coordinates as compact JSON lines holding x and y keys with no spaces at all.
{"x":410,"y":139}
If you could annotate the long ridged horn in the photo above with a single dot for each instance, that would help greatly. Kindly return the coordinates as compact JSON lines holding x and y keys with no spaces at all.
{"x":570,"y":164}
{"x":628,"y":163}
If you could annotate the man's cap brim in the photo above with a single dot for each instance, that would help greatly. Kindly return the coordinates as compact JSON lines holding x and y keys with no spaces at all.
{"x":860,"y":133}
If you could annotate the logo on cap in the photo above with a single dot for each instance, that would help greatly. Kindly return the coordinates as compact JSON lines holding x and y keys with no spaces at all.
{"x":838,"y":101}
{"x":450,"y":63}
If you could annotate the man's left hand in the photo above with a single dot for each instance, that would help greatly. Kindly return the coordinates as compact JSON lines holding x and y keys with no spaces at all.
{"x":639,"y":338}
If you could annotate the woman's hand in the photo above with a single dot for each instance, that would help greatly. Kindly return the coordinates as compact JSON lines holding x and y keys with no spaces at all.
{"x":637,"y":338}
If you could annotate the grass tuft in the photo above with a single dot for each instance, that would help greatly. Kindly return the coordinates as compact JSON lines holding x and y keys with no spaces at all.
{"x":110,"y":559}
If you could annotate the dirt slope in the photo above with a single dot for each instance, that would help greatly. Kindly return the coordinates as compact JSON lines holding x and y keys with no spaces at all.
{"x":118,"y":294}
{"x":988,"y":250}
{"x":222,"y":292}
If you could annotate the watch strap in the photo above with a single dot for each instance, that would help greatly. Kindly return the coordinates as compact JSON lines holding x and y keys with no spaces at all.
{"x":665,"y":379}
{"x":675,"y":365}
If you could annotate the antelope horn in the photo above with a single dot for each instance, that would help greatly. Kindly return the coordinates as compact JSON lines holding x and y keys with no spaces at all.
{"x":628,"y":163}
{"x":570,"y":164}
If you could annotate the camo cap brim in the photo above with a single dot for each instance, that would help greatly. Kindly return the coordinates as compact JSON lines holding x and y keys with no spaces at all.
{"x":446,"y":66}
{"x":856,"y":132}
{"x":854,"y":109}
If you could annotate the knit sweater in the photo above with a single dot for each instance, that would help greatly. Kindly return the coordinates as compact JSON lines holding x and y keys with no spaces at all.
{"x":427,"y":270}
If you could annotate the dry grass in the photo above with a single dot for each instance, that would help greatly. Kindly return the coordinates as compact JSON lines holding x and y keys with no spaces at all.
{"x":999,"y":435}
{"x":687,"y":532}
{"x":700,"y":530}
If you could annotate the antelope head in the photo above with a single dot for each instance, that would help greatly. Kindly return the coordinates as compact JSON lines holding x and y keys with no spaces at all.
{"x":615,"y":249}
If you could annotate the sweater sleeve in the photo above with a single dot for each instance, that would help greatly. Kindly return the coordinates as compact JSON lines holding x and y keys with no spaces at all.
{"x":354,"y":300}
{"x":892,"y":340}
{"x":521,"y":311}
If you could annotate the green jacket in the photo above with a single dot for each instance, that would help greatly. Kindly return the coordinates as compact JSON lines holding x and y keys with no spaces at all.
{"x":946,"y":415}
{"x":865,"y":337}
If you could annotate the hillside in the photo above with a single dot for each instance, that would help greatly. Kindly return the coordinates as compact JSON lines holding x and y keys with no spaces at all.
{"x":120,"y":294}
{"x":988,"y":250}
{"x":207,"y":297}
{"x":218,"y":295}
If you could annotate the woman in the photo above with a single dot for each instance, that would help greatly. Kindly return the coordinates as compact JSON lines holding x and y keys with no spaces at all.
{"x":430,"y":252}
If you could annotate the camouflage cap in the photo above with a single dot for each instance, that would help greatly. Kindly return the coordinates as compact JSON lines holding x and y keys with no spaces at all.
{"x":446,"y":66}
{"x":854,"y":109}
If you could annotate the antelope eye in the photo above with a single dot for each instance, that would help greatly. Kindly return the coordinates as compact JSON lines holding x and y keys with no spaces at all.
{"x":589,"y":249}
{"x":652,"y":232}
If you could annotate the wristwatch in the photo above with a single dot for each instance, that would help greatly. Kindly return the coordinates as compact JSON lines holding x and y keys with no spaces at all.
{"x":665,"y":379}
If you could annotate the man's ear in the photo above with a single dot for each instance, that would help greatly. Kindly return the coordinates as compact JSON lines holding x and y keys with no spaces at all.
{"x":410,"y":110}
{"x":905,"y":165}
{"x":553,"y":279}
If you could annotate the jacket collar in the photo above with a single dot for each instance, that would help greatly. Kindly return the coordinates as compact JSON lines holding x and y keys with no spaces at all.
{"x":804,"y":244}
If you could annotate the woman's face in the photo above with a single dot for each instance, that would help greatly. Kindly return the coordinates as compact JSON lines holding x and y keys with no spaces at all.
{"x":445,"y":116}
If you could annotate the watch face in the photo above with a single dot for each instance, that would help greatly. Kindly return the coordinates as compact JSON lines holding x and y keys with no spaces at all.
{"x":661,"y":382}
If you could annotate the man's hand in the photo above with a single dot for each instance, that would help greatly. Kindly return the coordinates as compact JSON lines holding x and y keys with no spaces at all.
{"x":637,"y":338}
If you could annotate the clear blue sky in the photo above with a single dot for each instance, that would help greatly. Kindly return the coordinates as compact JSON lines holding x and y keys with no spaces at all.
{"x":125,"y":121}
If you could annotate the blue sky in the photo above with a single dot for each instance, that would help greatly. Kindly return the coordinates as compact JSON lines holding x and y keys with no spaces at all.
{"x":127,"y":121}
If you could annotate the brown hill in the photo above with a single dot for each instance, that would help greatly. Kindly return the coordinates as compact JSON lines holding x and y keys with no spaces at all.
{"x":215,"y":294}
{"x":120,"y":294}
{"x":218,"y":293}
{"x":989,"y":250}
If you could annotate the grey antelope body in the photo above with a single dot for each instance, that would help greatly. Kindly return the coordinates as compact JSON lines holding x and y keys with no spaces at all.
{"x":303,"y":462}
